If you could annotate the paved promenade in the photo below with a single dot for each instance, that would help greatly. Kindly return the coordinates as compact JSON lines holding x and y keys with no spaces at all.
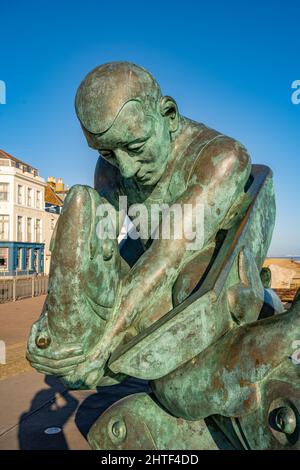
{"x":16,"y":319}
{"x":31,"y":402}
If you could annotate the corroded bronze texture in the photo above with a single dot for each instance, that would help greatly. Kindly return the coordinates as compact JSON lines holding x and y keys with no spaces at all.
{"x":192,"y":321}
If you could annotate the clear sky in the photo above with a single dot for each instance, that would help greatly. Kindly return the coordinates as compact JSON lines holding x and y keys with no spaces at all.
{"x":229,"y":64}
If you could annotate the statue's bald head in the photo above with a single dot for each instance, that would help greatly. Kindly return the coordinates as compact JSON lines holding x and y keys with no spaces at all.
{"x":107,"y":88}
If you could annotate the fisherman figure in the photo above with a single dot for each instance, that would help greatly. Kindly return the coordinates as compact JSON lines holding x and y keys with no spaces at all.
{"x":151,"y":154}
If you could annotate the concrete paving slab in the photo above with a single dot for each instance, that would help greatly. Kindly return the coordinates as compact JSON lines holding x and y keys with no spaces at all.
{"x":31,"y":402}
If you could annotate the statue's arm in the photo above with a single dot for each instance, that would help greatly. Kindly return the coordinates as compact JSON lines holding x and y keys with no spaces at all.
{"x":218,"y":178}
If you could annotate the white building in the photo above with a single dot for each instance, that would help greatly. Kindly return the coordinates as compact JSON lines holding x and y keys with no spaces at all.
{"x":25,"y":226}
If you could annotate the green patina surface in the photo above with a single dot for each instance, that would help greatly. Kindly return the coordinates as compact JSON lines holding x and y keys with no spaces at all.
{"x":193,"y":322}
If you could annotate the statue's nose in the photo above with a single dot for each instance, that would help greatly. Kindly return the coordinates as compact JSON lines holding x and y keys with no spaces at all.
{"x":127,"y":166}
{"x":42,"y":340}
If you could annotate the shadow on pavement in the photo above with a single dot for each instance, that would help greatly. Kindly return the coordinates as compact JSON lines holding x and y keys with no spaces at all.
{"x":51,"y":407}
{"x":91,"y":408}
{"x":54,"y":406}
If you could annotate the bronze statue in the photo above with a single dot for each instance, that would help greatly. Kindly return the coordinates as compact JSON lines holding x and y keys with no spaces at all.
{"x":191,"y":316}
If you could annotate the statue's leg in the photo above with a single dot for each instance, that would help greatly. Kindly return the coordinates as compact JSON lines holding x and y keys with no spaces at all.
{"x":241,"y":376}
{"x":84,"y":278}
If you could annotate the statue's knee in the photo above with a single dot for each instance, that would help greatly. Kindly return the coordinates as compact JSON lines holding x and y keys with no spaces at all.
{"x":78,"y":194}
{"x":81,"y":199}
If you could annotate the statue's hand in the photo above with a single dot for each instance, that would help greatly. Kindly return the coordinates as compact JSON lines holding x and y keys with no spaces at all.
{"x":68,"y":360}
{"x":92,"y":370}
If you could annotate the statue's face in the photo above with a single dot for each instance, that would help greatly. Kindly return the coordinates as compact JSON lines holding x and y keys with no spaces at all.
{"x":137,"y":143}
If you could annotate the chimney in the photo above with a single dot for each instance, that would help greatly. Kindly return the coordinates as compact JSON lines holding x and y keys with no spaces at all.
{"x":51,"y":181}
{"x":59,"y":187}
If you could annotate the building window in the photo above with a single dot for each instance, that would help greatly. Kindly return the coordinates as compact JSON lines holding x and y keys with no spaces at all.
{"x":20,"y":228}
{"x":19,"y":258}
{"x":38,"y":230}
{"x":4,"y":227}
{"x":3,"y":259}
{"x":38,"y":199}
{"x":29,"y":229}
{"x":28,"y":259}
{"x":4,"y":192}
{"x":20,"y":194}
{"x":29,"y":197}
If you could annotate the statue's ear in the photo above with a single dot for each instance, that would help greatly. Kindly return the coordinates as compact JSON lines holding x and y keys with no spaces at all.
{"x":168,"y":109}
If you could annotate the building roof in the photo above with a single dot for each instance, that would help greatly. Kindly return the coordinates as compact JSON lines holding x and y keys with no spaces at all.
{"x":4,"y":154}
{"x":51,"y":197}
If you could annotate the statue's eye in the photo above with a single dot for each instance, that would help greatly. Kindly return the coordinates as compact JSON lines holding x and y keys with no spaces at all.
{"x":137,"y":147}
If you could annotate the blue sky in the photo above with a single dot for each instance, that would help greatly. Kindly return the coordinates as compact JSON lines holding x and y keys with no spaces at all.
{"x":229,"y":64}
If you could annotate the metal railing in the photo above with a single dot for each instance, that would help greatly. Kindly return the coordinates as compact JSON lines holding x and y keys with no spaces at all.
{"x":21,"y":288}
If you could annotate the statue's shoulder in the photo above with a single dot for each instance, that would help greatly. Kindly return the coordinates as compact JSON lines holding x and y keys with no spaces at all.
{"x":209,"y":152}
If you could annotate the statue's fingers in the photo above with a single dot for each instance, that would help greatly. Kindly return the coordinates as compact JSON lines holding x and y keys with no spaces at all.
{"x":52,"y":371}
{"x":54,"y":363}
{"x":66,"y":353}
